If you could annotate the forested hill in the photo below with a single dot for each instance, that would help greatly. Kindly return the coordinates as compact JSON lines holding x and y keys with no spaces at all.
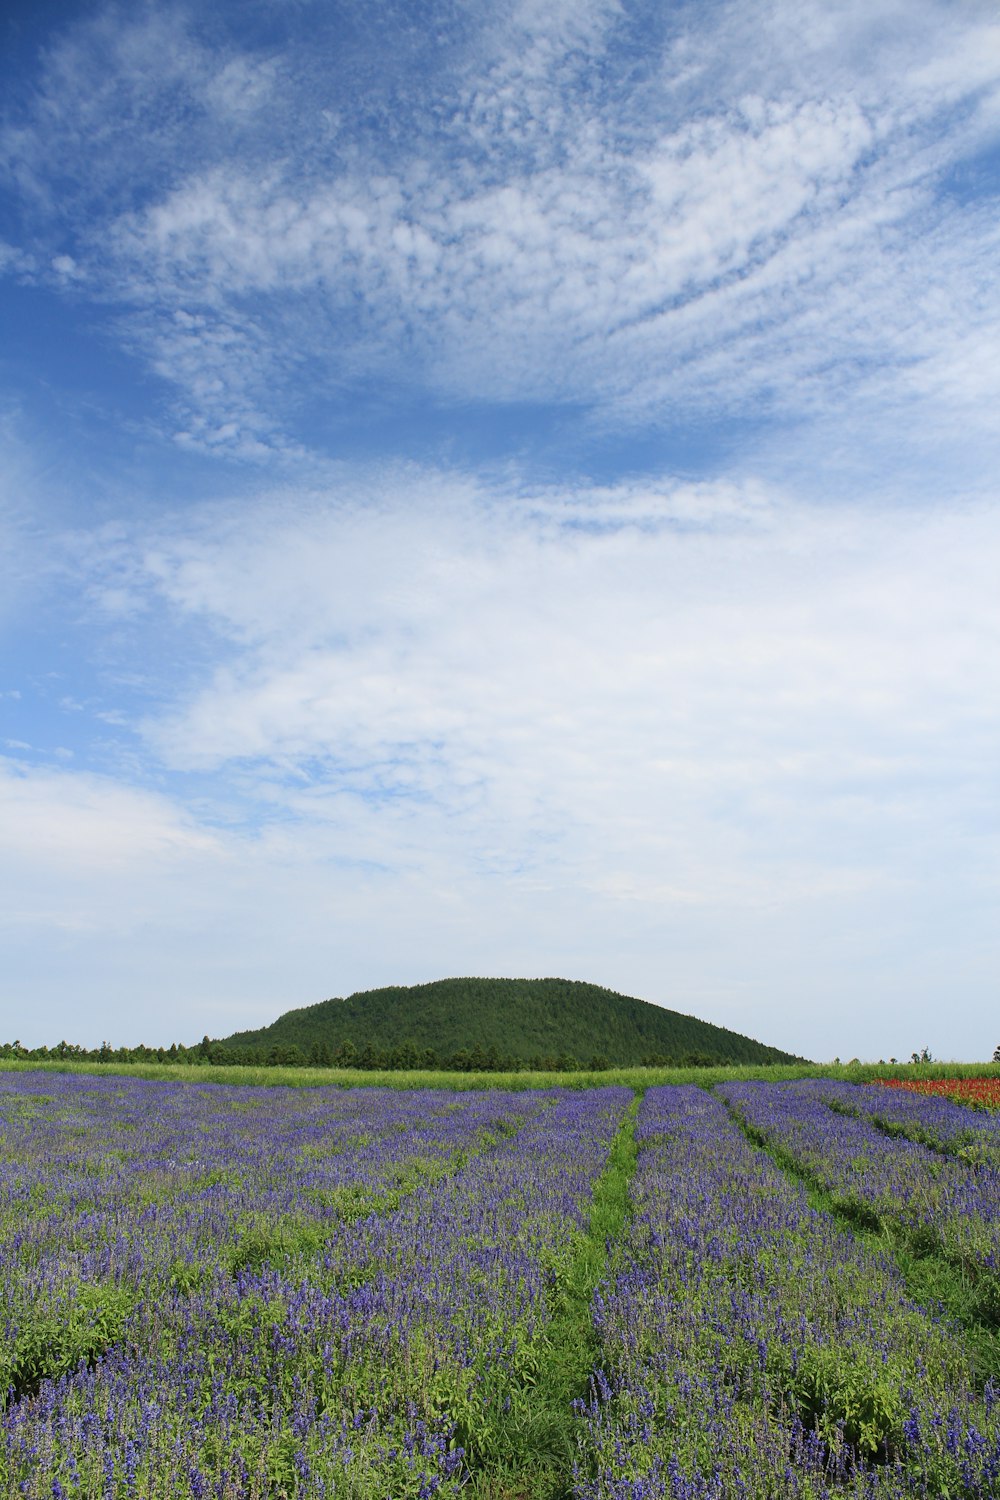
{"x":488,"y":1022}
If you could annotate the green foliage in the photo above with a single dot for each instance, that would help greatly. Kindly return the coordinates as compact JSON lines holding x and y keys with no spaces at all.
{"x":57,"y":1340}
{"x":847,"y":1398}
{"x":984,"y":1302}
{"x":265,"y":1241}
{"x":186,"y":1276}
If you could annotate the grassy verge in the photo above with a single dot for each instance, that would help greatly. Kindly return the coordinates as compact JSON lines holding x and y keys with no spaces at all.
{"x":530,"y":1456}
{"x":627,"y":1077}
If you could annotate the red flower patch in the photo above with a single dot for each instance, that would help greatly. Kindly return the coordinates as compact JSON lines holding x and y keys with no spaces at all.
{"x":984,"y":1092}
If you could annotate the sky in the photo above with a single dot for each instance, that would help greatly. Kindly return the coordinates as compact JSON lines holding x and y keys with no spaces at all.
{"x":496,"y":487}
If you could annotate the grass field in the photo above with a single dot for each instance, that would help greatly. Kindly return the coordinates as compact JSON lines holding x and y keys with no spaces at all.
{"x":653,"y":1285}
{"x":633,"y":1078}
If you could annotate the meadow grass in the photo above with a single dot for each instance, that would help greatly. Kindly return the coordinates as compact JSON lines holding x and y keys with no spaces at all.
{"x":638,"y":1079}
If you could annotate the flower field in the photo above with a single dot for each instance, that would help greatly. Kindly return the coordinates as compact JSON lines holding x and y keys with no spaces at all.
{"x":257,"y":1293}
{"x":940,"y":1202}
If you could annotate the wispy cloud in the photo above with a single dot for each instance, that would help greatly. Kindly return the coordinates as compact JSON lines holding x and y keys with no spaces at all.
{"x":586,"y":698}
{"x":750,"y":220}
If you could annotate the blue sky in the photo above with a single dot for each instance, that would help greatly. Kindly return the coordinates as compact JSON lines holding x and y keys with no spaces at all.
{"x":501,"y":489}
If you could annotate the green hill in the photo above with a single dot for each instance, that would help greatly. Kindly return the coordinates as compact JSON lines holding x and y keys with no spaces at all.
{"x":519,"y":1020}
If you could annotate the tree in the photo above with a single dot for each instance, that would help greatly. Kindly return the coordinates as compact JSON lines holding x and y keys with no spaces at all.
{"x":407,"y":1055}
{"x":996,"y":1054}
{"x":289,"y":1055}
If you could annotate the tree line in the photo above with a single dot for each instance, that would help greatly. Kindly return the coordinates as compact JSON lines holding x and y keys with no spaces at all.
{"x":105,"y":1053}
{"x":319,"y":1054}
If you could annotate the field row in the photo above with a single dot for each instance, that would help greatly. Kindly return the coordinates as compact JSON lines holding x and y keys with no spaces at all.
{"x":256,"y":1293}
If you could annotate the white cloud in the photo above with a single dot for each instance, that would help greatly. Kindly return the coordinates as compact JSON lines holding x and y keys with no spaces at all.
{"x":243,"y":86}
{"x":746,"y":225}
{"x":581,"y":251}
{"x":710,"y":746}
{"x":66,"y":268}
{"x":768,"y":249}
{"x":14,"y":261}
{"x":85,"y":825}
{"x":586,"y":697}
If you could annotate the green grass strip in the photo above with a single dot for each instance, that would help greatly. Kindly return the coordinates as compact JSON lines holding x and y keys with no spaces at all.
{"x":625,"y":1077}
{"x":531,"y":1456}
{"x":933,"y":1282}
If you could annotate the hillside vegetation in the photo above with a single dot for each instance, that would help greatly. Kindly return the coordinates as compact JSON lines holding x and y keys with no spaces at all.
{"x":492,"y":1023}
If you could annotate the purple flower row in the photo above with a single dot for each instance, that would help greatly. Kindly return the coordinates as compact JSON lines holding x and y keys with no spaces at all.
{"x":111,"y":1190}
{"x":973,"y":1135}
{"x":754,"y":1348}
{"x":355,"y":1354}
{"x":942,"y":1203}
